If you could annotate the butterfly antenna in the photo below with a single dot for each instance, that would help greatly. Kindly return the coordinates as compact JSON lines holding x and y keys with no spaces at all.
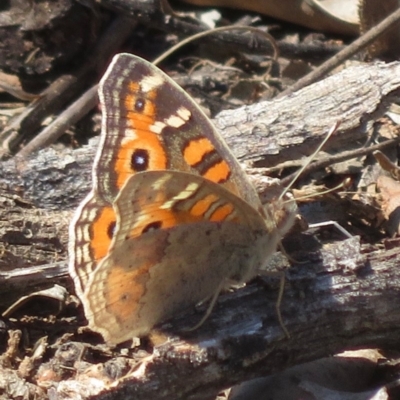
{"x":310,"y":159}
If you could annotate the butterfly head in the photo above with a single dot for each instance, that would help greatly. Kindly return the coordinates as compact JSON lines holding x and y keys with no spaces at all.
{"x":279,"y":208}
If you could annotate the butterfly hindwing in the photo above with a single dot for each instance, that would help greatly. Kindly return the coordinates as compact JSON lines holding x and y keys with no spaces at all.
{"x":174,"y":230}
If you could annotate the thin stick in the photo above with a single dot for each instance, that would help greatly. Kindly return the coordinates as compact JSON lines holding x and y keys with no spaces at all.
{"x":112,"y":38}
{"x":343,"y":156}
{"x":362,"y":42}
{"x":196,"y":36}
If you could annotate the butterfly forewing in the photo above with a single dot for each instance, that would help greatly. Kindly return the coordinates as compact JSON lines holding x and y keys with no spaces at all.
{"x":149,"y":123}
{"x":152,"y":124}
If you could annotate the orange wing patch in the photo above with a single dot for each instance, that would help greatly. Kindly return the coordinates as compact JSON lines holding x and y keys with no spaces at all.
{"x":222,"y":213}
{"x":196,"y":150}
{"x":102,"y":232}
{"x":219,"y":172}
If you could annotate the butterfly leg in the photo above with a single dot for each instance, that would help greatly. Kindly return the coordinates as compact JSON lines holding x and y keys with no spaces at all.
{"x":281,"y":276}
{"x":279,"y":302}
{"x":209,"y":308}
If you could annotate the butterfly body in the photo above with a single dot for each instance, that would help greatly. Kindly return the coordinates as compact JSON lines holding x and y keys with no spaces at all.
{"x":171,"y":216}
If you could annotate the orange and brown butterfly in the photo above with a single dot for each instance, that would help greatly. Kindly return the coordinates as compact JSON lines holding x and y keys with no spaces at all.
{"x":171,"y":216}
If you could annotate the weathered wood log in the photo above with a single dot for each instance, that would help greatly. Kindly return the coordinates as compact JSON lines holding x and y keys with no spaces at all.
{"x":342,"y":298}
{"x":264,"y":134}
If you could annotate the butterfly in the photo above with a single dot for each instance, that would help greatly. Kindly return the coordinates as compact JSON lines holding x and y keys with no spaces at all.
{"x":171,"y":217}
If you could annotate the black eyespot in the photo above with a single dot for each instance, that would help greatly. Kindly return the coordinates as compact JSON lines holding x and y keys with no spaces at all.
{"x":152,"y":226}
{"x":140,"y":160}
{"x":139,"y":104}
{"x":111,"y":230}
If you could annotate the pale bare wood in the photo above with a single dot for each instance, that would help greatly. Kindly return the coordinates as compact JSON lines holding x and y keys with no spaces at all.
{"x":271,"y":132}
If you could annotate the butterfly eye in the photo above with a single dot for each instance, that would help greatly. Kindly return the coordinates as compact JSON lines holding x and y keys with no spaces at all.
{"x":139,"y":104}
{"x":152,"y":226}
{"x":140,"y":160}
{"x":111,"y":229}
